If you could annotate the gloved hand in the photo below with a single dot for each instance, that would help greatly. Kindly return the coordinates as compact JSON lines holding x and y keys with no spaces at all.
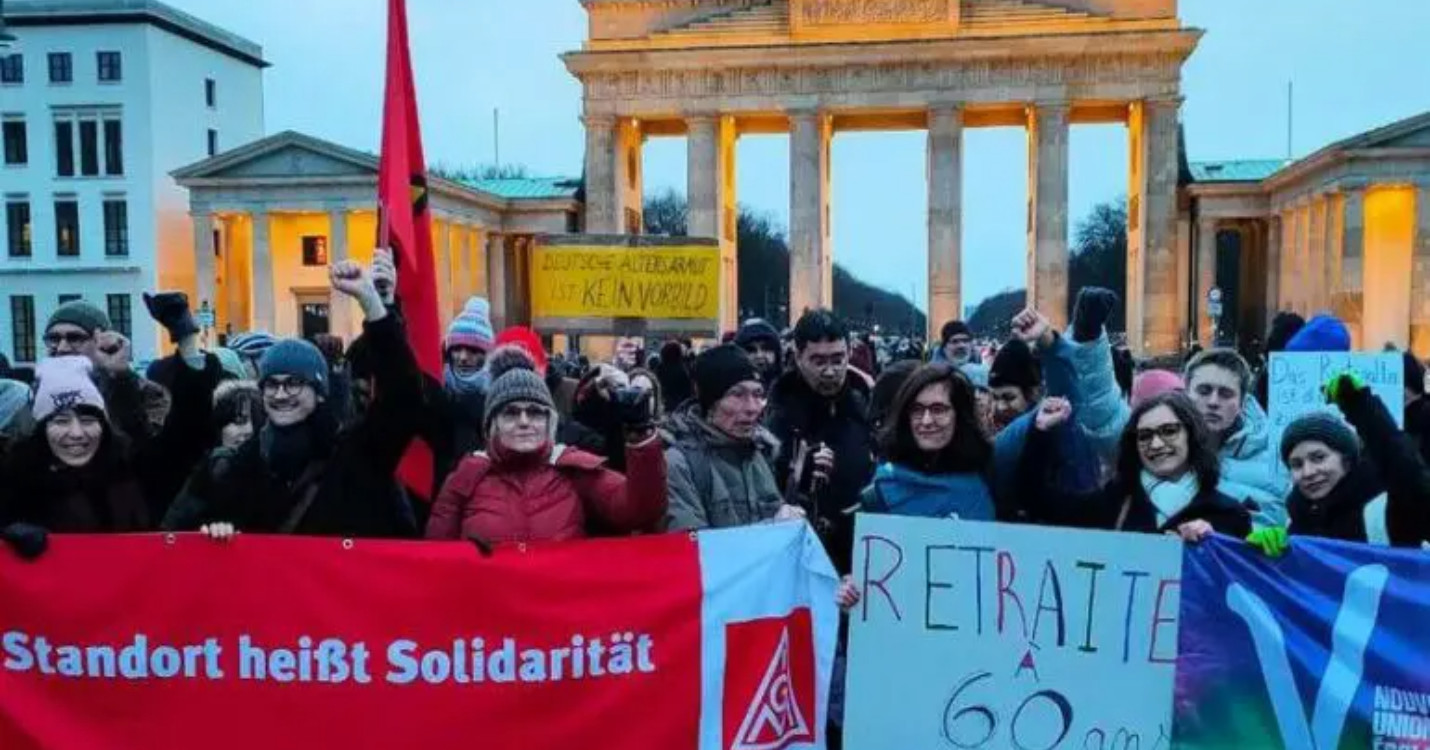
{"x":28,"y":540}
{"x":1272,"y":541}
{"x":1094,"y":306}
{"x":633,"y":406}
{"x":1340,"y":388}
{"x":171,"y":310}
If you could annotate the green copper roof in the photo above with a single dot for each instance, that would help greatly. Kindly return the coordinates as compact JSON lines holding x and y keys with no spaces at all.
{"x":1241,"y":170}
{"x":528,"y":188}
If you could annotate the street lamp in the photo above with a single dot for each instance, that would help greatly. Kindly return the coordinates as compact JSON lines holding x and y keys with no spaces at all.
{"x":6,"y":38}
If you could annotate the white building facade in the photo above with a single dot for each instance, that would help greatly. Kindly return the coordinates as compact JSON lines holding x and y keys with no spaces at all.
{"x":99,"y":101}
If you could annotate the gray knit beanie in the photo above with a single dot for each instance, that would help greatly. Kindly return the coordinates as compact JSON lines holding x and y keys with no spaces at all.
{"x":1325,"y":427}
{"x":82,"y":315}
{"x":295,"y":358}
{"x":513,"y":386}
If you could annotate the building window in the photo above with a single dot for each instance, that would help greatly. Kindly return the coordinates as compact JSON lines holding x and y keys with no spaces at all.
{"x":64,"y":148}
{"x":113,"y":147}
{"x":61,"y":67}
{"x":17,"y":151}
{"x":210,"y":92}
{"x":109,"y":67}
{"x":12,"y":68}
{"x":120,"y":313}
{"x":17,"y":228}
{"x":315,"y":250}
{"x":67,"y":228}
{"x":88,"y":148}
{"x":116,"y":228}
{"x":22,"y":328}
{"x":213,"y":142}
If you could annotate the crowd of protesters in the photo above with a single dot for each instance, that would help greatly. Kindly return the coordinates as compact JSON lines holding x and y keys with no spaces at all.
{"x":811,"y":424}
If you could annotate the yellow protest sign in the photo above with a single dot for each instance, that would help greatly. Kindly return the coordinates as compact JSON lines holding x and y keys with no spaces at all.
{"x":679,"y":282}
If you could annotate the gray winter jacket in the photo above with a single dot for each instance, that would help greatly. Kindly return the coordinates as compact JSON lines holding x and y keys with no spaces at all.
{"x":736,"y":486}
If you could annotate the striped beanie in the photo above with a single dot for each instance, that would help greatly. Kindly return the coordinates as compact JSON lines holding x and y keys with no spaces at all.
{"x":472,"y":327}
{"x":252,"y":345}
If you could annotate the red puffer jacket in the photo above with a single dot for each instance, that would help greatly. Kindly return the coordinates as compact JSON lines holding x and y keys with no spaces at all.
{"x":548,"y":497}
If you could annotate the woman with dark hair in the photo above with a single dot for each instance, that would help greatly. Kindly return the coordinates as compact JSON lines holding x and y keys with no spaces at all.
{"x":238,"y":413}
{"x":937,"y":457}
{"x":1166,"y":478}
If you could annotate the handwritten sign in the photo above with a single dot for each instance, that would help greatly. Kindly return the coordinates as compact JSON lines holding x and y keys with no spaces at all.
{"x":1296,"y":380}
{"x":674,"y":282}
{"x":980,"y":635}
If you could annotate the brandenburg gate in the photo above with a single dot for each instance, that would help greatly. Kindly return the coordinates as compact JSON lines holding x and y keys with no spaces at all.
{"x":713,"y":70}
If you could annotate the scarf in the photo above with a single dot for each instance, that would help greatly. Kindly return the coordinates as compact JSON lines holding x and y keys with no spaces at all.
{"x":1170,"y":497}
{"x":464,"y":384}
{"x":287,"y":451}
{"x":907,"y":492}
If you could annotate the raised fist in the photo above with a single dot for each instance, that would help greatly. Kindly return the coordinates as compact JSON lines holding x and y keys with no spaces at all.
{"x":1052,"y":412}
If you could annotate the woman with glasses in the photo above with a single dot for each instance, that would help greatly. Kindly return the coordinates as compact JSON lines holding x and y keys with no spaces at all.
{"x":528,"y":488}
{"x":937,"y":457}
{"x":1166,"y":477}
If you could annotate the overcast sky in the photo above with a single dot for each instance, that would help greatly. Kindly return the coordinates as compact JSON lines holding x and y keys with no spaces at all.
{"x":1356,"y":65}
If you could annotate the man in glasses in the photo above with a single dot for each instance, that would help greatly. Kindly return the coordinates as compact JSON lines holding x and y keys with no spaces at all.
{"x":137,"y":406}
{"x":301,"y":473}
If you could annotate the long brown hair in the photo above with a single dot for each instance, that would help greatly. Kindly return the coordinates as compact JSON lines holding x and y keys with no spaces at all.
{"x":969,"y":450}
{"x":1202,"y":456}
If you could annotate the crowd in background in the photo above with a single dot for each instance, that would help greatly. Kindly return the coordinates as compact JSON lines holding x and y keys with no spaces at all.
{"x":815,"y":422}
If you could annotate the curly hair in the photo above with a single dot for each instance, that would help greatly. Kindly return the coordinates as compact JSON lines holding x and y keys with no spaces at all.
{"x":968,"y":451}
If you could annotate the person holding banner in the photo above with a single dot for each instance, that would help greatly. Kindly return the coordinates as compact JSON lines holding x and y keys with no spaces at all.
{"x":1366,"y":484}
{"x":1166,"y":479}
{"x":937,"y":458}
{"x":527,"y":488}
{"x":300,"y":474}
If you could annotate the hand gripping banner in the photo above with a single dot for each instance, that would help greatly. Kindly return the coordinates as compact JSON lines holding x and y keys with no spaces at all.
{"x":721,"y":640}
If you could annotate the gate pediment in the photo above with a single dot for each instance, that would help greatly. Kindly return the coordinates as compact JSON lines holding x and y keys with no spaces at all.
{"x":825,"y":13}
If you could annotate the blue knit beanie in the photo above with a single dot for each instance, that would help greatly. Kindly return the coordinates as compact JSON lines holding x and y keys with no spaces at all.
{"x":295,"y":358}
{"x":1323,"y":333}
{"x":472,"y":327}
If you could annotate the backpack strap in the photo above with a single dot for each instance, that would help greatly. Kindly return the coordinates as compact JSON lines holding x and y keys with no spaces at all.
{"x":306,"y":488}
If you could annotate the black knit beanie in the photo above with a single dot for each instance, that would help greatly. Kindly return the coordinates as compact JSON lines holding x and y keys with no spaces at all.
{"x":718,"y":370}
{"x":1325,"y":427}
{"x":954,"y":328}
{"x":1015,"y":365}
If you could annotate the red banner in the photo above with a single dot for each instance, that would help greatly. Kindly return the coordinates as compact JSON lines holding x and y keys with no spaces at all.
{"x":153,"y":642}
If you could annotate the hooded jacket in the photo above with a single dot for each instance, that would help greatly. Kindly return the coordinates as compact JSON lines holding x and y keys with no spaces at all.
{"x":737,"y":483}
{"x":902,"y":491}
{"x":1249,"y":467}
{"x":501,"y":498}
{"x":1384,"y":499}
{"x":350,"y":474}
{"x":841,"y":423}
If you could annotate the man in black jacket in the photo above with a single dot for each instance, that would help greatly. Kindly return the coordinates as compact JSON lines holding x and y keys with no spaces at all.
{"x":820,"y":411}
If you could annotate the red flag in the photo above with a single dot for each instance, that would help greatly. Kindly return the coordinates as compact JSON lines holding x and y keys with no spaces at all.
{"x":405,"y":226}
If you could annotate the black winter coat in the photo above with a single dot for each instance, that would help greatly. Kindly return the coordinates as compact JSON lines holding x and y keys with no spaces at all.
{"x":356,"y":492}
{"x":1390,"y":466}
{"x":1120,"y":505}
{"x":797,"y":413}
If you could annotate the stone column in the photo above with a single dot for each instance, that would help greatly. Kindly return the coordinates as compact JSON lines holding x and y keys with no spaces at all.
{"x":1206,"y":278}
{"x":1305,"y":272}
{"x":442,"y":262}
{"x":1048,"y":211}
{"x":340,"y":307}
{"x":945,"y":217}
{"x":811,"y":263}
{"x":630,"y":142}
{"x":1273,"y":268}
{"x":1352,"y":306}
{"x":496,"y":279}
{"x":1154,"y":323}
{"x":205,"y":259}
{"x":1317,"y":261}
{"x":265,"y":310}
{"x":1291,"y":258}
{"x":603,"y":193}
{"x":1420,"y":274}
{"x":710,"y":175}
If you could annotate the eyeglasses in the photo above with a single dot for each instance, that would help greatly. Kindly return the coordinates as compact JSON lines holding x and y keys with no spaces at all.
{"x":274,"y":387}
{"x":939,"y":412}
{"x":532,"y":413}
{"x":73,"y":338}
{"x":1167,"y":432}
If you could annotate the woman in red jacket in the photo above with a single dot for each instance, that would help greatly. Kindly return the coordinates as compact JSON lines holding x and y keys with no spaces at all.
{"x":526,"y":488}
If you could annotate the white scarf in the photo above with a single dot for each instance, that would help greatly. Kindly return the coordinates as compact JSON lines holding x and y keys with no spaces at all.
{"x":1170,"y":497}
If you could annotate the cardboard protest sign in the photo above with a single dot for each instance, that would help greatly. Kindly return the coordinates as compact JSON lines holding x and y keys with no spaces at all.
{"x":1296,"y":381}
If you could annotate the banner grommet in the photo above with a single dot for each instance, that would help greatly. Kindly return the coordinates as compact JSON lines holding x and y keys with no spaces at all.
{"x":347,"y":544}
{"x":170,"y":539}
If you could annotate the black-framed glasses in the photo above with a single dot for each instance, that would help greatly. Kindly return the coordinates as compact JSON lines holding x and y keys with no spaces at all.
{"x":288,"y":387}
{"x":1167,"y":432}
{"x":939,"y":412}
{"x":73,"y":338}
